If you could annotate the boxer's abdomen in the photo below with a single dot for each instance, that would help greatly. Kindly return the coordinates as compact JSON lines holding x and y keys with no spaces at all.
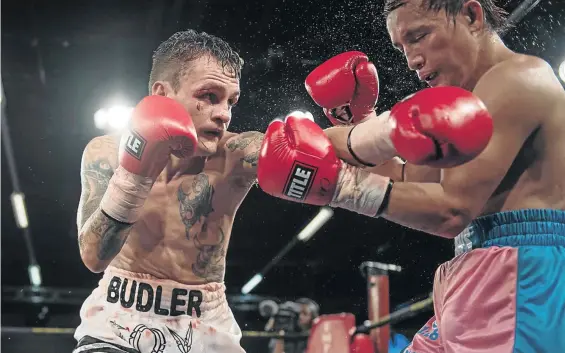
{"x":183,"y":232}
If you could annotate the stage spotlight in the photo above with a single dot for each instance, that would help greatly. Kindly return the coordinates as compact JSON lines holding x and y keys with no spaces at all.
{"x":18,"y":204}
{"x":315,"y":224}
{"x":113,"y":118}
{"x":253,"y":282}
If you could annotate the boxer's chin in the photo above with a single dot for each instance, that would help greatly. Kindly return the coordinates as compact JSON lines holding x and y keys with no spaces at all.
{"x":207,"y":146}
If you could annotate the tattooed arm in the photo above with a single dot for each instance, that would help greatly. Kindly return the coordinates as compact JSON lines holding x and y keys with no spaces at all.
{"x":100,"y":238}
{"x":243,"y":150}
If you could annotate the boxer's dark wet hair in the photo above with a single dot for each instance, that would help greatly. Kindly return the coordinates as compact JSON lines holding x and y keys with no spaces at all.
{"x":174,"y":55}
{"x":495,"y":16}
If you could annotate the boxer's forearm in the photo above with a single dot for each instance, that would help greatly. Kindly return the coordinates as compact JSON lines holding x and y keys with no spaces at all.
{"x":394,"y":168}
{"x":100,"y":240}
{"x":427,"y":208}
{"x":397,"y":170}
{"x":366,"y":143}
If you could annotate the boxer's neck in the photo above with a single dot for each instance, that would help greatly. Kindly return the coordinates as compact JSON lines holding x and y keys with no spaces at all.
{"x":491,"y":52}
{"x":182,"y":166}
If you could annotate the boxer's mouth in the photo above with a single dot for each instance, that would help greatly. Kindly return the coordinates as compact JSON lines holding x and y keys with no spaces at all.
{"x":431,"y":77}
{"x":214,"y":133}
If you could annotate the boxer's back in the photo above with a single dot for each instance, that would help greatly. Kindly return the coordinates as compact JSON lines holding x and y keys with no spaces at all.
{"x":535,"y":179}
{"x":185,"y":226}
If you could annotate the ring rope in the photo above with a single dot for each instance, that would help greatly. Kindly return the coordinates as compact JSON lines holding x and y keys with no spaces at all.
{"x":392,"y":318}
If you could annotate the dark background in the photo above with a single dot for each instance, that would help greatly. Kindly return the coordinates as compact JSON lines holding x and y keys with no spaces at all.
{"x":62,"y":60}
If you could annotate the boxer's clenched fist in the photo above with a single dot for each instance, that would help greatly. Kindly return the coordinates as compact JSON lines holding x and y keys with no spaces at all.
{"x":346,"y":86}
{"x":159,"y":126}
{"x":441,"y":127}
{"x":298,"y":163}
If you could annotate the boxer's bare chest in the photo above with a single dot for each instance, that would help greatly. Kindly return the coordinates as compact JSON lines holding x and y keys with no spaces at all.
{"x":535,"y":178}
{"x":185,"y":227}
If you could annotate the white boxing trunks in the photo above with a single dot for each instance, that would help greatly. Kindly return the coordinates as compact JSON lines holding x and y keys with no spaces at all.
{"x":134,"y":312}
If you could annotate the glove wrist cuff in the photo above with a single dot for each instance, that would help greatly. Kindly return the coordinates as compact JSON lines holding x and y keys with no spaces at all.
{"x":371,"y":141}
{"x":350,"y":149}
{"x":361,"y":191}
{"x":125,"y":196}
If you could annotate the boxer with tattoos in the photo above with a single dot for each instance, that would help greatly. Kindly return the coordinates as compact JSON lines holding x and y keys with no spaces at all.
{"x":158,"y":205}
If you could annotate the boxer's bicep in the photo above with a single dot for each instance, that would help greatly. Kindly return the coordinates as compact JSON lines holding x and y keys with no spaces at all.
{"x":516,"y":106}
{"x":99,"y":160}
{"x":472,"y":184}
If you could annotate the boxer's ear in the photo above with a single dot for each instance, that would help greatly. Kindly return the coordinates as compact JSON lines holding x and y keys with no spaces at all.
{"x":162,"y":88}
{"x":474,"y":15}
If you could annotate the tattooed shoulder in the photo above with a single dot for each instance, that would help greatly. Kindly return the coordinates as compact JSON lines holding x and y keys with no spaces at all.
{"x":102,"y":147}
{"x":98,"y":164}
{"x":246,"y":147}
{"x":244,"y":140}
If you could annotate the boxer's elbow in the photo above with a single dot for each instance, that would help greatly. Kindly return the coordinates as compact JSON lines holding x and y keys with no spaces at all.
{"x":94,"y":265}
{"x":90,"y":259}
{"x":456,"y":219}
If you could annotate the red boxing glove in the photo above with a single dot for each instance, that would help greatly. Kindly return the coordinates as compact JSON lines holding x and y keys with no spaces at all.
{"x":297,"y":161}
{"x":346,"y":86}
{"x":442,"y":127}
{"x":362,"y":343}
{"x":159,"y":126}
{"x":331,"y":334}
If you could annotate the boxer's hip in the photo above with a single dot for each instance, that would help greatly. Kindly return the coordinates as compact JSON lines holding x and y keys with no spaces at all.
{"x":532,"y":227}
{"x":138,"y":311}
{"x":504,"y":289}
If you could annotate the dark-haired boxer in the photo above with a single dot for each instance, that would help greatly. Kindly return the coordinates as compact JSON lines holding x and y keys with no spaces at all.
{"x":503,"y":205}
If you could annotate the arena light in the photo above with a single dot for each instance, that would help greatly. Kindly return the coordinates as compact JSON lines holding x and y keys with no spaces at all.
{"x":18,"y":204}
{"x":562,"y":71}
{"x":114,"y":118}
{"x":252,"y":283}
{"x":34,"y":273}
{"x":315,"y":224}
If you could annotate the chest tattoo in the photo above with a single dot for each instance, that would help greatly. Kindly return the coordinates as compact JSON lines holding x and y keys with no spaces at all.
{"x":195,"y":205}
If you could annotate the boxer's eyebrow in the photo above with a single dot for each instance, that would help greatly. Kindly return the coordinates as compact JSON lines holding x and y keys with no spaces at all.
{"x":412,"y":33}
{"x":212,"y":86}
{"x":408,"y":36}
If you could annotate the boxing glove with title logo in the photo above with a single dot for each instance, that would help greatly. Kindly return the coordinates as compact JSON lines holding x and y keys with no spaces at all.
{"x":440,"y":127}
{"x":346,"y":86}
{"x":159,"y":127}
{"x":298,"y":163}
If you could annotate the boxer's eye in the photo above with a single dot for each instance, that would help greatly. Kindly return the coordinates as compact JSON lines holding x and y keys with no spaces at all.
{"x":212,"y":97}
{"x":419,"y":37}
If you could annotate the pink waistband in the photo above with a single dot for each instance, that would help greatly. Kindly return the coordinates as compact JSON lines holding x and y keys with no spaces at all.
{"x":164,"y":296}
